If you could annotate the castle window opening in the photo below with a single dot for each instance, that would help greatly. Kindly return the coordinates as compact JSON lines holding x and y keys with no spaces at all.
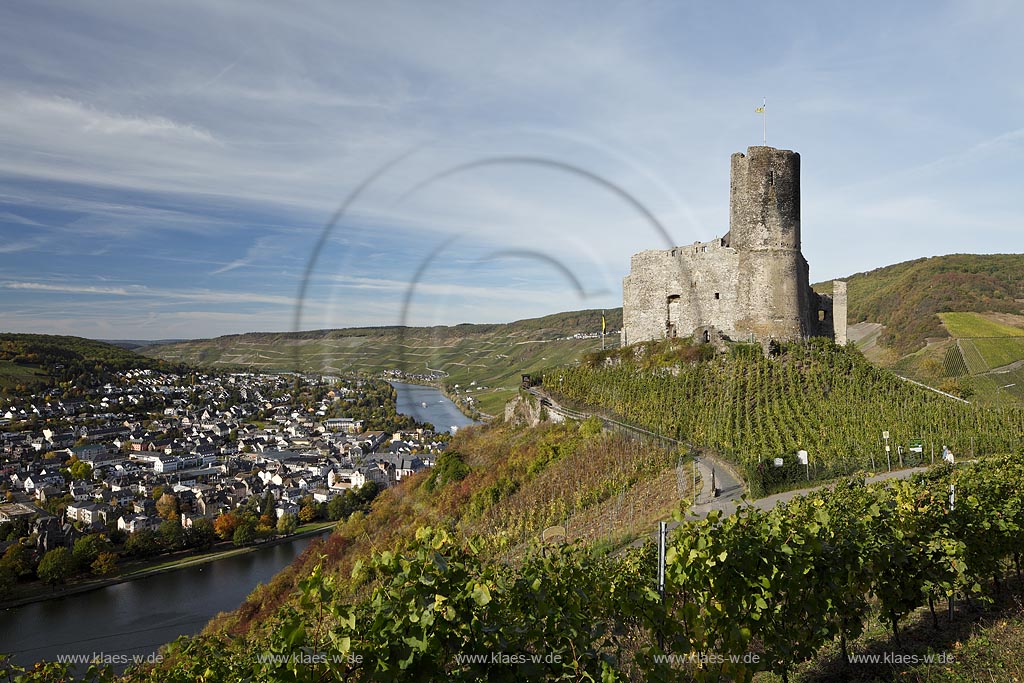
{"x":717,"y":295}
{"x":707,"y":337}
{"x":822,"y":314}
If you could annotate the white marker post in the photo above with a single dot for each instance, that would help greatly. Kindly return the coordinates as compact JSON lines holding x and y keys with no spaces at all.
{"x":801,"y":457}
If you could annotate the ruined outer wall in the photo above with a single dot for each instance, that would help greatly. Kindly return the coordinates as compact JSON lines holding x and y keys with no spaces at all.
{"x":839,"y":311}
{"x":643,"y":297}
{"x":671,"y":292}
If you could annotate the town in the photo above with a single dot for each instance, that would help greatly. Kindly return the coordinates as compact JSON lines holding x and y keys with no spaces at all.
{"x":150,"y":462}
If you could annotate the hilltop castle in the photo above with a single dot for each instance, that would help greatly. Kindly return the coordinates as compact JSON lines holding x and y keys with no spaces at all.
{"x":750,"y":285}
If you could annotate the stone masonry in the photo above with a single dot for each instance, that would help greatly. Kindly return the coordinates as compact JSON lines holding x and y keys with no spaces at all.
{"x":749,"y":285}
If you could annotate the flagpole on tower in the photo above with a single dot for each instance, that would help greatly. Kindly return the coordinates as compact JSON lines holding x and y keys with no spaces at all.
{"x":762,"y":110}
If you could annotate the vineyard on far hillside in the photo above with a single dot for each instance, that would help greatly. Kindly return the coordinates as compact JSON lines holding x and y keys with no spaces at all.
{"x":814,"y":396}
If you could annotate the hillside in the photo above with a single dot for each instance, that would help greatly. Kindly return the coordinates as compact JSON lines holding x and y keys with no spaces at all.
{"x":907,"y":297}
{"x":31,"y":361}
{"x":904,"y":299}
{"x":818,"y":397}
{"x":493,"y":355}
{"x":449,"y":567}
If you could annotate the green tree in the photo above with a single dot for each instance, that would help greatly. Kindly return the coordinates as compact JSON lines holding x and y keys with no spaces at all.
{"x":202,"y":534}
{"x":57,"y":566}
{"x":79,"y":470}
{"x":18,"y":559}
{"x":341,"y":506}
{"x":104,"y":564}
{"x":8,"y":579}
{"x":244,"y":534}
{"x":88,"y":548}
{"x":287,"y":524}
{"x":143,"y":543}
{"x":268,"y":504}
{"x":172,"y":535}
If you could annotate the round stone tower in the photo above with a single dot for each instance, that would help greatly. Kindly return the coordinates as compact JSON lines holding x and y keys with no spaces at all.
{"x":764,"y":229}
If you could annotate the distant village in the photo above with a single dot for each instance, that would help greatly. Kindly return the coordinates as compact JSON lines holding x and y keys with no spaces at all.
{"x":148,"y":447}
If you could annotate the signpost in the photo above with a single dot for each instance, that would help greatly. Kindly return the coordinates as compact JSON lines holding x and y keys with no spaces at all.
{"x":801,"y":457}
{"x":888,"y":458}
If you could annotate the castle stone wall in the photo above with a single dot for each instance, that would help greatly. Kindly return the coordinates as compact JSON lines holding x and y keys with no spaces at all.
{"x":839,"y":311}
{"x":749,"y":285}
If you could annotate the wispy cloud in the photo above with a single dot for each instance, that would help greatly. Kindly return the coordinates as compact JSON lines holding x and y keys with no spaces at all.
{"x":142,"y":291}
{"x":178,"y":154}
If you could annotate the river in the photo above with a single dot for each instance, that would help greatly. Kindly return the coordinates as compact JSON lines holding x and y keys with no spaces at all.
{"x":137,"y":617}
{"x":428,"y":404}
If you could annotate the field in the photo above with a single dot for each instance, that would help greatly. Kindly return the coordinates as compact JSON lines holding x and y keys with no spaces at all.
{"x":978,"y":325}
{"x":986,"y":352}
{"x":13,"y":374}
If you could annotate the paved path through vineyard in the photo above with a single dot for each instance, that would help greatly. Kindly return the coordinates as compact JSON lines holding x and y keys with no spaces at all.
{"x":727,"y":483}
{"x":728,"y":505}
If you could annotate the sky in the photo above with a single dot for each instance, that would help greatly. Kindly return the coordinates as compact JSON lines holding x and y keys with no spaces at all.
{"x":187,"y":169}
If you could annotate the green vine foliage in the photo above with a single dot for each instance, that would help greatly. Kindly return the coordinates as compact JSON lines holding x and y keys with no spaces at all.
{"x":813,"y":396}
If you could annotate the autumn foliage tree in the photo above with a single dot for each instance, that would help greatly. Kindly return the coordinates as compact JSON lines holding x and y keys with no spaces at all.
{"x":226,"y":524}
{"x":167,"y":506}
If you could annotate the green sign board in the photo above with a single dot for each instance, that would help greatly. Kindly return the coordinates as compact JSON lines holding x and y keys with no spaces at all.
{"x":916,"y":445}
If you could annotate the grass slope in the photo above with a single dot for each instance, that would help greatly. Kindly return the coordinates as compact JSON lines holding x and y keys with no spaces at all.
{"x":977,"y":325}
{"x":493,"y":355}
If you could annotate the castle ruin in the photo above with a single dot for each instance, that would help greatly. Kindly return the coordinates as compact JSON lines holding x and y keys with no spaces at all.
{"x":750,"y":285}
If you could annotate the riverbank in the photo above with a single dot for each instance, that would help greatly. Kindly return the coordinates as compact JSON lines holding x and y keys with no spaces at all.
{"x":40,"y":593}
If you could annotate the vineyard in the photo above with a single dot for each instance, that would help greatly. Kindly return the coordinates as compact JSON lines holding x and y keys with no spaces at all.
{"x":758,"y":591}
{"x":814,"y":396}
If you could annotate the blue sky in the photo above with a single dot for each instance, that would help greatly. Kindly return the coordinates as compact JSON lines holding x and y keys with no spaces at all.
{"x":167,"y":169}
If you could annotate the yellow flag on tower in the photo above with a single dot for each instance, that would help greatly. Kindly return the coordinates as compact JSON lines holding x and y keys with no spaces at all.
{"x":759,"y":110}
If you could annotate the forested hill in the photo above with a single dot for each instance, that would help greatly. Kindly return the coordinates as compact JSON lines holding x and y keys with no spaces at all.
{"x":906,"y":297}
{"x":30,"y":361}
